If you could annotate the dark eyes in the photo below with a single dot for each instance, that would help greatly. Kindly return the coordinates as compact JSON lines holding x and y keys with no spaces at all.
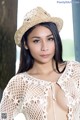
{"x":36,"y":41}
{"x":49,"y":39}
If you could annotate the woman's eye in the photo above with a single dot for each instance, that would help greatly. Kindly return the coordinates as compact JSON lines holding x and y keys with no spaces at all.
{"x":36,"y":41}
{"x":51,"y":39}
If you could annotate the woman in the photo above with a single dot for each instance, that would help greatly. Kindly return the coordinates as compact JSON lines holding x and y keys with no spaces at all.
{"x":45,"y":87}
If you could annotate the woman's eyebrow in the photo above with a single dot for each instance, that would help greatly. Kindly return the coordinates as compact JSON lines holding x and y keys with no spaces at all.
{"x":50,"y":35}
{"x":46,"y":36}
{"x":35,"y":37}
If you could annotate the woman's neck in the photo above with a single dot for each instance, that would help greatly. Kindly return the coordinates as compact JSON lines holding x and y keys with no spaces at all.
{"x":42,"y":68}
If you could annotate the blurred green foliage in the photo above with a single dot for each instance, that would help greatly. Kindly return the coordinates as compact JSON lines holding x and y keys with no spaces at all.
{"x":68,"y":49}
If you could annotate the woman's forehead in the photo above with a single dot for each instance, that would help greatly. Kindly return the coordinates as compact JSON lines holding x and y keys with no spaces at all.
{"x":41,"y":31}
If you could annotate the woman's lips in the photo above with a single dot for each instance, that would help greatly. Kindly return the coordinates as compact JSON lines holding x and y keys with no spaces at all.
{"x":45,"y":55}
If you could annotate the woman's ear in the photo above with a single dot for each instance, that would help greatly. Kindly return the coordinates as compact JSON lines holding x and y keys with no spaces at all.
{"x":25,"y":46}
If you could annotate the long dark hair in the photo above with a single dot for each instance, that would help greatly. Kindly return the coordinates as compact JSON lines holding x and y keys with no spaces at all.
{"x":26,"y":59}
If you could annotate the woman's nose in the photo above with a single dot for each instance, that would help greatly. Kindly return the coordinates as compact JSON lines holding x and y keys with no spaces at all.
{"x":44,"y":46}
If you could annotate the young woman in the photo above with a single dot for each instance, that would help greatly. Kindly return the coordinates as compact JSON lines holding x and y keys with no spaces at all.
{"x":45,"y":87}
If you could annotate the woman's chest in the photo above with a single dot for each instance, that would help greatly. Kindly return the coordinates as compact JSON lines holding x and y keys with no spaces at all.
{"x":40,"y":97}
{"x":59,"y":97}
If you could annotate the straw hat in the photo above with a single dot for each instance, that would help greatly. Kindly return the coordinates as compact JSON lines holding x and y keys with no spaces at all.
{"x":34,"y":17}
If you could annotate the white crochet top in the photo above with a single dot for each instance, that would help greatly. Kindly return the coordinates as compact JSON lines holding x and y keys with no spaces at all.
{"x":28,"y":95}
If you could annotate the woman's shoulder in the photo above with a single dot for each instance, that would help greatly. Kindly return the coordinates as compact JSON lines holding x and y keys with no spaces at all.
{"x":74,"y":63}
{"x":17,"y":81}
{"x":73,"y":67}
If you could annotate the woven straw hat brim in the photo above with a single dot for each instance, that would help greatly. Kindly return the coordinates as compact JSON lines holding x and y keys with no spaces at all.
{"x":27,"y":25}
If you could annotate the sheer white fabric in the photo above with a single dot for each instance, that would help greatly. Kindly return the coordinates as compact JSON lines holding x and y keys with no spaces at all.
{"x":28,"y":95}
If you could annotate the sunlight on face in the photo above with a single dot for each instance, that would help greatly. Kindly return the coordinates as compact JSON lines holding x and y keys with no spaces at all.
{"x":41,"y":44}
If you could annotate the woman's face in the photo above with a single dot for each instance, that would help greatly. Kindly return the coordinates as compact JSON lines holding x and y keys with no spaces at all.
{"x":41,"y":44}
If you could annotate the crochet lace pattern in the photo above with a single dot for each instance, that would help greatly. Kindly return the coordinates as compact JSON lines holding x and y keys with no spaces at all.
{"x":28,"y":95}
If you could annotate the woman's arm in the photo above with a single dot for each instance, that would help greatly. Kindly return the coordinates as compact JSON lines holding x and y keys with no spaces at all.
{"x":12,"y":98}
